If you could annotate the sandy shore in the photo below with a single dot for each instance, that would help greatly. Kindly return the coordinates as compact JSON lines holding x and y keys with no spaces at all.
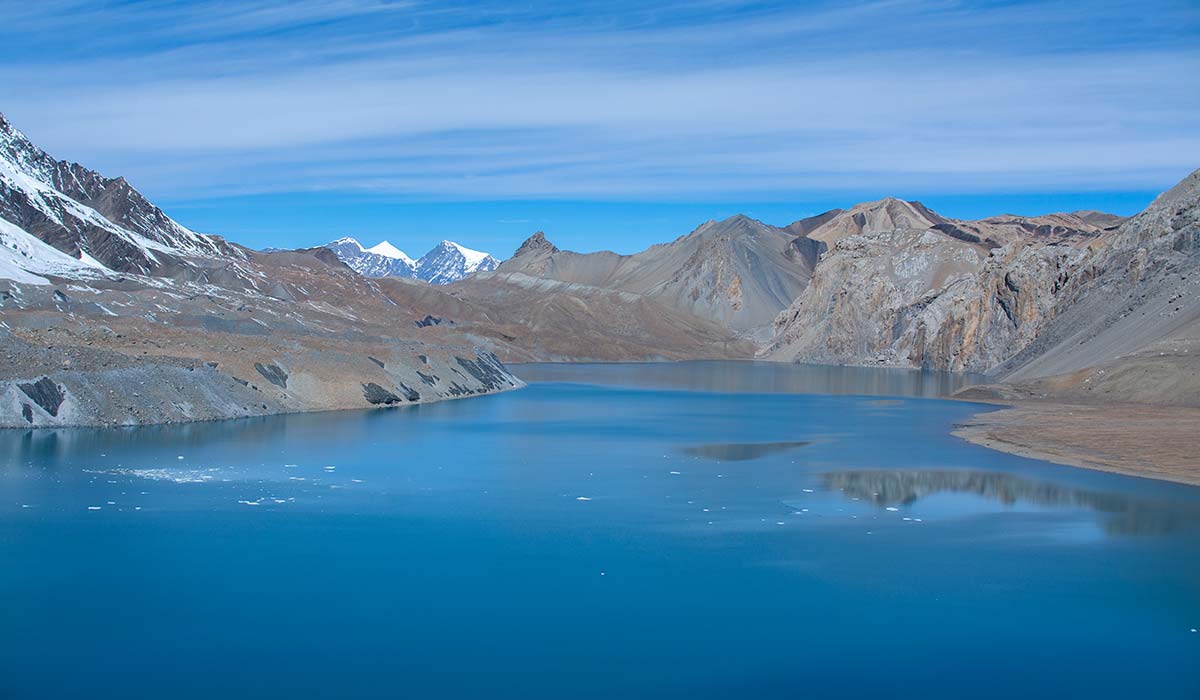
{"x":1157,"y":442}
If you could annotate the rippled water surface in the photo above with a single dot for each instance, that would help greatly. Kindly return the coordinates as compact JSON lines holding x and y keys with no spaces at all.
{"x":611,"y":531}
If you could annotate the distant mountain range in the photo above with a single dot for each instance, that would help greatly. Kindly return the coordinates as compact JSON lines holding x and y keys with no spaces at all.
{"x":447,"y":262}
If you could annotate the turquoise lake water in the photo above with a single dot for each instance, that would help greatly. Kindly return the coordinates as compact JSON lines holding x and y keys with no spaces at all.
{"x":690,"y":531}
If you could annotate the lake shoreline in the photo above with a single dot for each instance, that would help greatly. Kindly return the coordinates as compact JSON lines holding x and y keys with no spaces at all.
{"x":1152,"y":442}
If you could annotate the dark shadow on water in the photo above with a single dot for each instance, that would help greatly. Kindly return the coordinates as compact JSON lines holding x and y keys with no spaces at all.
{"x":740,"y":451}
{"x":1129,"y":515}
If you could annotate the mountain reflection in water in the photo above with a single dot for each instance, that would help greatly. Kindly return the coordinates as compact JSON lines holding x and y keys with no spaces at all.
{"x":1130,"y":516}
{"x":756,"y":377}
{"x":740,"y":451}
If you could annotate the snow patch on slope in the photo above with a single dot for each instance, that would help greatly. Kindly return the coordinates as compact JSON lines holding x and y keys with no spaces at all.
{"x":24,"y":258}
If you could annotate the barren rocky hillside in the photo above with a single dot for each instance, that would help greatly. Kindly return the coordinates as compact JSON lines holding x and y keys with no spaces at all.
{"x":737,"y":273}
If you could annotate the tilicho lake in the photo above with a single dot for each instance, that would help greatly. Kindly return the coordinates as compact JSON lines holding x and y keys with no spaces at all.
{"x":702,"y":530}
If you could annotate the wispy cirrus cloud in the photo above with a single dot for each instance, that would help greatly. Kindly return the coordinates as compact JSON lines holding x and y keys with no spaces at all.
{"x":593,"y":100}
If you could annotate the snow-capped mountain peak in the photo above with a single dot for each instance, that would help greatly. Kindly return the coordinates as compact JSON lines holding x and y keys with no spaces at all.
{"x":390,"y":251}
{"x":447,"y":262}
{"x":473,"y":257}
{"x":383,"y":260}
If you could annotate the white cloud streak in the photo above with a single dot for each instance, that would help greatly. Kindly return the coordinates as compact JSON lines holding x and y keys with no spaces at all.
{"x":957,"y":100}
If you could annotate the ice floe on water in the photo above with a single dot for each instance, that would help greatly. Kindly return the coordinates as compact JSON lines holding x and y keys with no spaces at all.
{"x":178,"y":476}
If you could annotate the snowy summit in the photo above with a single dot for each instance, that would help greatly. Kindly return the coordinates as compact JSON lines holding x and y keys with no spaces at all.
{"x":447,"y":262}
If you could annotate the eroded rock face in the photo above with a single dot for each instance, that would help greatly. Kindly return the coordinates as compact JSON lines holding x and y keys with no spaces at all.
{"x":904,"y":286}
{"x":375,"y":394}
{"x":273,"y":373}
{"x":45,"y":393}
{"x":1136,"y":286}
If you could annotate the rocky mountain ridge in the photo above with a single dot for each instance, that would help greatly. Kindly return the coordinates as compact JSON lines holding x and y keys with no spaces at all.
{"x":96,"y":219}
{"x":737,"y":273}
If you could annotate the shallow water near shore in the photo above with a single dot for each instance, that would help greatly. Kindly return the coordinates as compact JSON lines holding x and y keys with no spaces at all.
{"x":696,"y":530}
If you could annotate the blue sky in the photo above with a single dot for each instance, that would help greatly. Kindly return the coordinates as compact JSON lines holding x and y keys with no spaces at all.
{"x":607,"y":124}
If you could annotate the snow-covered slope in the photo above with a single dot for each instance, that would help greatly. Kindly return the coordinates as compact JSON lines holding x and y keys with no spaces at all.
{"x":383,"y":260}
{"x":447,"y":262}
{"x":86,"y":215}
{"x":24,"y":258}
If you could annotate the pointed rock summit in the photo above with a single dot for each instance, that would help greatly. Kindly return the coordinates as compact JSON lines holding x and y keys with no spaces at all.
{"x":534,"y":244}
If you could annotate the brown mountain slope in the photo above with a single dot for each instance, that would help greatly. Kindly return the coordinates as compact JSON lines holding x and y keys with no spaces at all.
{"x":737,"y":273}
{"x":524,"y":318}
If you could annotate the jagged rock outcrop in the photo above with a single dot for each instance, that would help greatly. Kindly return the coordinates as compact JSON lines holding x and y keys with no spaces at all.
{"x":535,"y":244}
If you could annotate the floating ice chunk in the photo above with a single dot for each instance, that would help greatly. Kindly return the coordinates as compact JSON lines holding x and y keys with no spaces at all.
{"x":582,"y":498}
{"x":675,"y":473}
{"x":289,"y":466}
{"x":94,"y":507}
{"x":330,"y":468}
{"x":891,"y":509}
{"x":808,"y":490}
